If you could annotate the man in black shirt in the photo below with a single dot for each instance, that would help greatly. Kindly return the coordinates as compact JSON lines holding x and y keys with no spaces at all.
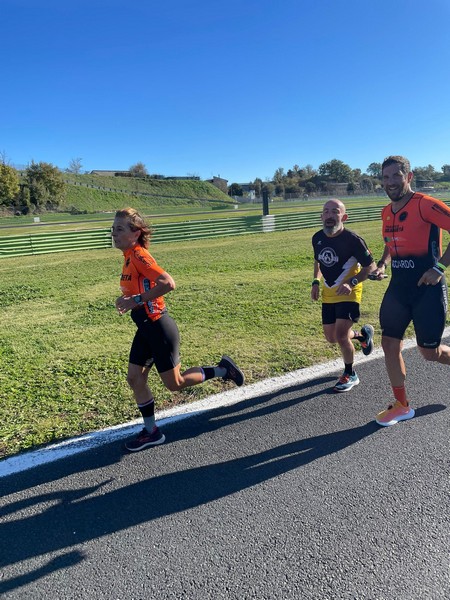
{"x":344,"y":261}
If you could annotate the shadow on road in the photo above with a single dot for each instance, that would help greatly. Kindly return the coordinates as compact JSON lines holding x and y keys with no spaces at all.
{"x":65,"y":518}
{"x":78,"y":517}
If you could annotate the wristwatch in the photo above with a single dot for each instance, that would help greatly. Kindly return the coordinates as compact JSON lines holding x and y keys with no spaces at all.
{"x":354,"y":281}
{"x":138,"y":299}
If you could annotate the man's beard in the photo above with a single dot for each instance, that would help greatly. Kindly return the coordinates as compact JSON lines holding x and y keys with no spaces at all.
{"x":331,"y":229}
{"x":398,"y":195}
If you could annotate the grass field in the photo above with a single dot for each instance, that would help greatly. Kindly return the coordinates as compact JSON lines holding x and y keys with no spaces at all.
{"x":64,"y":348}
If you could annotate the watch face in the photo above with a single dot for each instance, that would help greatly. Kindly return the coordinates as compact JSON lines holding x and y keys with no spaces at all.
{"x":354,"y":281}
{"x":137,"y":299}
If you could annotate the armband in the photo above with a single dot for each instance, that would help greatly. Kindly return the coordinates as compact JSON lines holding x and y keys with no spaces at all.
{"x":441,"y":266}
{"x":315,"y":282}
{"x":438,"y":270}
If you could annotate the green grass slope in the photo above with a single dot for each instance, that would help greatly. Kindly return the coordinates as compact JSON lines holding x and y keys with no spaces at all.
{"x":95,"y":193}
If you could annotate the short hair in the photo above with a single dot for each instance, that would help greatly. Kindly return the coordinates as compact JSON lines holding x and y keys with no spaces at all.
{"x":340,"y":204}
{"x":401,"y":160}
{"x":137,"y":223}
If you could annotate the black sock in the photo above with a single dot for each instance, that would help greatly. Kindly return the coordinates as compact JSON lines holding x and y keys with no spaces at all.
{"x":348,"y":368}
{"x":208,"y":373}
{"x":357,"y":335}
{"x":147,"y":411}
{"x":211,"y":372}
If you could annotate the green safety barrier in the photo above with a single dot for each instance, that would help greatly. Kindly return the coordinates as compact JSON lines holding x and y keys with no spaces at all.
{"x":44,"y":243}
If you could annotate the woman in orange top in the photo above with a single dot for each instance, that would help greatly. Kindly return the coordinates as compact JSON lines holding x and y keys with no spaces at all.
{"x":144,"y":284}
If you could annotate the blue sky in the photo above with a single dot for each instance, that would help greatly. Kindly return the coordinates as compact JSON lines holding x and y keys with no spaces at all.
{"x":234,"y":88}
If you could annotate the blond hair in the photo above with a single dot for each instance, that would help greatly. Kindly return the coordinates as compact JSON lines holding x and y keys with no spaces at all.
{"x":137,"y":223}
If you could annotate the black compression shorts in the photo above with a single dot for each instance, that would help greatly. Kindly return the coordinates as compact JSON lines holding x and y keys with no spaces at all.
{"x":340,"y":310}
{"x":425,"y":306}
{"x":156,"y":342}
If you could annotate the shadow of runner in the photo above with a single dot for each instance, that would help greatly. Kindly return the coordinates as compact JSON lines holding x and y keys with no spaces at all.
{"x":261,"y":406}
{"x":70,"y":523}
{"x":210,"y":419}
{"x":59,"y":563}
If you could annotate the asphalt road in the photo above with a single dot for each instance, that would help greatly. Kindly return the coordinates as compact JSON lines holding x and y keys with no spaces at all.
{"x":292,"y":494}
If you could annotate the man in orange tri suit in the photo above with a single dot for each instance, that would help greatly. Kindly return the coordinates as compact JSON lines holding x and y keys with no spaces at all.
{"x":412,"y":232}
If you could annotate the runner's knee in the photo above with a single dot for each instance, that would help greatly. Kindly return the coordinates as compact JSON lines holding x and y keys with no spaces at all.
{"x":135,"y":380}
{"x":430,"y":354}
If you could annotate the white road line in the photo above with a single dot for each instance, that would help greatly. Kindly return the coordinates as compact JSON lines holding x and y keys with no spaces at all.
{"x":42,"y":456}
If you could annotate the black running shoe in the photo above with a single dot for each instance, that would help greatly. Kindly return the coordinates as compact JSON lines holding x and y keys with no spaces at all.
{"x":233,"y":371}
{"x":367,"y":345}
{"x":145,"y":439}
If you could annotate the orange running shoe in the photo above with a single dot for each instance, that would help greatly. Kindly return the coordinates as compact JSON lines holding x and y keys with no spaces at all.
{"x":394,"y":413}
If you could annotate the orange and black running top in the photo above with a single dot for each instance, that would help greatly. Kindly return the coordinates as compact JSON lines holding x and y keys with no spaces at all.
{"x":414,"y":235}
{"x":139,"y":274}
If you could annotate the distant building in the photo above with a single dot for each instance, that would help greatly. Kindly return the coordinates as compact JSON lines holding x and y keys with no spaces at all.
{"x":128,"y":174}
{"x":220,"y":183}
{"x":182,"y":177}
{"x":340,"y":189}
{"x":248,"y":191}
{"x":425,"y":185}
{"x":111,"y":173}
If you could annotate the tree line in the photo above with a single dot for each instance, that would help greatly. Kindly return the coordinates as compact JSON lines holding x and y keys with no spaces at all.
{"x":41,"y":185}
{"x":306,"y":180}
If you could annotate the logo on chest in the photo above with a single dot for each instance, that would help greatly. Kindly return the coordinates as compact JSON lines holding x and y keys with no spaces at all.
{"x":328,"y":257}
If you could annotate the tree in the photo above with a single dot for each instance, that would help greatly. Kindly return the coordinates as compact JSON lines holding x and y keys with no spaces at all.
{"x":268,"y":187}
{"x":425,"y":173}
{"x":374,"y":169}
{"x":9,"y":184}
{"x":291,"y":186}
{"x":258,"y":186}
{"x":309,"y":172}
{"x":235,"y":190}
{"x":446,"y":171}
{"x":279,"y":189}
{"x":351,"y":188}
{"x":366,"y":185}
{"x":46,"y":185}
{"x":278,"y":175}
{"x":24,"y":200}
{"x":75,"y":166}
{"x":4,"y":160}
{"x":138,"y":170}
{"x":336,"y":170}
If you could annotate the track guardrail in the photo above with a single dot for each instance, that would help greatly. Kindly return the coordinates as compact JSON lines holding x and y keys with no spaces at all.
{"x":66,"y":241}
